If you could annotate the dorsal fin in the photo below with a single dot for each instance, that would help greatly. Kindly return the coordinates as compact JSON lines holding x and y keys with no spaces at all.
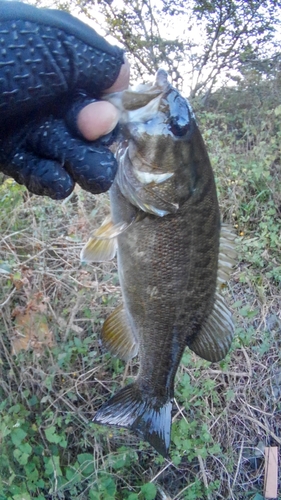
{"x":214,"y":339}
{"x":227,"y":253}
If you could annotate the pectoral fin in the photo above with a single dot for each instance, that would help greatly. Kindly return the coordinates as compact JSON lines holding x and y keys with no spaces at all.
{"x":214,"y":339}
{"x":102,"y":246}
{"x":117,"y":335}
{"x":97,"y":250}
{"x":108,"y":230}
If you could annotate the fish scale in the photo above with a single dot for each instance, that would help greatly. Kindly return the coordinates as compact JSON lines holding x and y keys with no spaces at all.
{"x":172,"y":254}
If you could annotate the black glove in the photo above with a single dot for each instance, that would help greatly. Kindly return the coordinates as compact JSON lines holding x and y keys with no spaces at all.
{"x":51,"y":65}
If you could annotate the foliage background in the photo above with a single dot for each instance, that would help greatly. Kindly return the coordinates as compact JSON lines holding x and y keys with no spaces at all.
{"x":54,"y":374}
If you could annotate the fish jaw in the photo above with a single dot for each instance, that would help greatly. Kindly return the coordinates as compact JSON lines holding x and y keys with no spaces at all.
{"x":146,"y":417}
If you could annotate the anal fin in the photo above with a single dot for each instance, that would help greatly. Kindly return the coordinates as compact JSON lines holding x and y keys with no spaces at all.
{"x":117,"y":335}
{"x":214,"y":339}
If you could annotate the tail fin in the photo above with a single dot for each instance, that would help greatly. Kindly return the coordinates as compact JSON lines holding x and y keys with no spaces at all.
{"x":144,"y":416}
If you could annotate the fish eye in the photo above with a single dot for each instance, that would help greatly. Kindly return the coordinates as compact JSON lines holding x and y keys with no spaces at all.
{"x":178,"y":126}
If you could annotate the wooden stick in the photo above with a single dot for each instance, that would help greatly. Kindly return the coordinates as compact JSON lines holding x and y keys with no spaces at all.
{"x":271,"y":472}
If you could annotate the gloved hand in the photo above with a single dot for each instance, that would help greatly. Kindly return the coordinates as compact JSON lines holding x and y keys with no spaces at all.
{"x":51,"y":66}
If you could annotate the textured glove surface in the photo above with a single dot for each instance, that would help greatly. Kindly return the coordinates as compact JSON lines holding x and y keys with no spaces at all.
{"x":47,"y":59}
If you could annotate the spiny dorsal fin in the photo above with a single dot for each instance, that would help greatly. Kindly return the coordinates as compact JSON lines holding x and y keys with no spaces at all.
{"x":214,"y":339}
{"x":117,"y":335}
{"x":227,"y":253}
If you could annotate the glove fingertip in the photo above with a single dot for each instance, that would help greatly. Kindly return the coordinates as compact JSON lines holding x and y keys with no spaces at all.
{"x":96,"y":171}
{"x":58,"y":189}
{"x":41,"y":176}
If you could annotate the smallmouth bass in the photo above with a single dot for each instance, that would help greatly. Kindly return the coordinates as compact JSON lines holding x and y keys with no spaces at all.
{"x":173,"y":254}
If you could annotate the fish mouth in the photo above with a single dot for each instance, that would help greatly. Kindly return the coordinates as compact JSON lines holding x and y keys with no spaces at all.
{"x":162,"y":80}
{"x":149,"y":102}
{"x":154,"y":117}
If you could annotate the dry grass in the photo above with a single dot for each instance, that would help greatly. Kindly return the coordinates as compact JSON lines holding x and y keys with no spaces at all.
{"x":42,"y":277}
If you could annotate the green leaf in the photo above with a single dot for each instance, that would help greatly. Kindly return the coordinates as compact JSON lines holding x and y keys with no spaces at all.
{"x":22,"y":458}
{"x":83,"y":457}
{"x":94,"y":495}
{"x":22,"y":496}
{"x":17,"y":435}
{"x":120,"y":462}
{"x":149,"y":491}
{"x":4,"y":431}
{"x":51,"y":435}
{"x":109,"y":486}
{"x":245,"y":312}
{"x":25,"y":448}
{"x":86,"y":462}
{"x":52,"y":465}
{"x":71,"y":473}
{"x":5,"y":268}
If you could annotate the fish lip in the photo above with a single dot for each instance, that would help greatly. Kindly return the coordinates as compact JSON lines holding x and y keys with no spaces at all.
{"x":162,"y":80}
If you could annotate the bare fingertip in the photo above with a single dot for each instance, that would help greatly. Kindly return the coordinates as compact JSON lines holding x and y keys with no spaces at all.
{"x":97,"y":119}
